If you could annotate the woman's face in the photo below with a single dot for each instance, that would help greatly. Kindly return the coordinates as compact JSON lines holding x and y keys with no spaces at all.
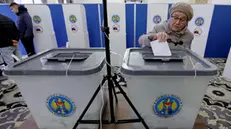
{"x":178,"y":21}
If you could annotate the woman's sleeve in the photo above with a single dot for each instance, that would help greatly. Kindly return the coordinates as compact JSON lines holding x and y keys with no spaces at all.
{"x":145,"y":39}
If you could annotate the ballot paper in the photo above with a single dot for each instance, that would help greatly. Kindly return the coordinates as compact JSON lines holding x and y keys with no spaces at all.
{"x":160,"y":48}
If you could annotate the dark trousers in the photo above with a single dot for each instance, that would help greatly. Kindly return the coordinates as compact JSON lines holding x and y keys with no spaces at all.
{"x":28,"y":45}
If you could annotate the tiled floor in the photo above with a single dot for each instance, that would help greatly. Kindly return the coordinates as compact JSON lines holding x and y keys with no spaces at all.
{"x":215,"y":109}
{"x":216,"y":106}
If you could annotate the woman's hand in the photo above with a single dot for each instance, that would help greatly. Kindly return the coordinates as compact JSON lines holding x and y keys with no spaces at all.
{"x":161,"y":36}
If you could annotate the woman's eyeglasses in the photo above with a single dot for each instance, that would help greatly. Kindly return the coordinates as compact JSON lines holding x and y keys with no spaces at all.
{"x":175,"y":18}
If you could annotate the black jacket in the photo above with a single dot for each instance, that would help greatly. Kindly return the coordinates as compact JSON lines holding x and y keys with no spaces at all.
{"x":24,"y":23}
{"x":8,"y":32}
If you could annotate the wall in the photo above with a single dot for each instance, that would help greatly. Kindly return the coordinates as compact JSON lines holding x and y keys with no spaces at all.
{"x":97,"y":1}
{"x":222,"y":2}
{"x":166,"y":1}
{"x":214,"y":43}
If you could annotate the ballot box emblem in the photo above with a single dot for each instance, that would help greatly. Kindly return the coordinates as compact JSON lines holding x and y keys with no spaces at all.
{"x":199,"y":21}
{"x":157,"y":19}
{"x":60,"y":105}
{"x":167,"y":106}
{"x":72,"y":18}
{"x":37,"y":19}
{"x":115,"y":18}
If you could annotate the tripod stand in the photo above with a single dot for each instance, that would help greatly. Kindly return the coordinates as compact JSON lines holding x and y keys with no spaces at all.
{"x":111,"y":81}
{"x":113,"y":121}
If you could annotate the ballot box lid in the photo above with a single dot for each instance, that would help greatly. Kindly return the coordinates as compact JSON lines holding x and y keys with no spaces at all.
{"x":183,"y":62}
{"x":61,"y":61}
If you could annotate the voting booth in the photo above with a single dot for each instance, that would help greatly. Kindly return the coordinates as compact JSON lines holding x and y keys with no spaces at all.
{"x":227,"y":69}
{"x":76,"y":25}
{"x":57,"y":85}
{"x":167,"y":91}
{"x":44,"y":34}
{"x":200,"y":27}
{"x":117,"y":36}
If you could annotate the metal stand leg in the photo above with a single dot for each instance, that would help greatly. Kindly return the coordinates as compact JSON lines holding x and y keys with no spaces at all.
{"x":129,"y":102}
{"x":90,"y":102}
{"x":111,"y":102}
{"x":113,"y":88}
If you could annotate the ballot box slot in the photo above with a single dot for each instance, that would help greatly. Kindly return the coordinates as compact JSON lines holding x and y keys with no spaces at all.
{"x":65,"y":57}
{"x":173,"y":58}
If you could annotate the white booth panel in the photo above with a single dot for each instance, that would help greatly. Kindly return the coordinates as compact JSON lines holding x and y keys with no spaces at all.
{"x":76,"y":25}
{"x":44,"y":35}
{"x":117,"y":24}
{"x":200,"y":25}
{"x":157,"y":14}
{"x":227,"y":69}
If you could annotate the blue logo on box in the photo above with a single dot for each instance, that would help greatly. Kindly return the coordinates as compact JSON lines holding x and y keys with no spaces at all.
{"x":199,"y":21}
{"x":115,"y":18}
{"x":72,"y":18}
{"x":37,"y":19}
{"x":167,"y":106}
{"x":60,"y":105}
{"x":157,"y":19}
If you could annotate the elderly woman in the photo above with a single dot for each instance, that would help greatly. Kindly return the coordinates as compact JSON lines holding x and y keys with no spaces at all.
{"x":174,"y":31}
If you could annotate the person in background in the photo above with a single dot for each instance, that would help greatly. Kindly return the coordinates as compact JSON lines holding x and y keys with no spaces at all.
{"x":24,"y":24}
{"x":9,"y":37}
{"x":173,"y":30}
